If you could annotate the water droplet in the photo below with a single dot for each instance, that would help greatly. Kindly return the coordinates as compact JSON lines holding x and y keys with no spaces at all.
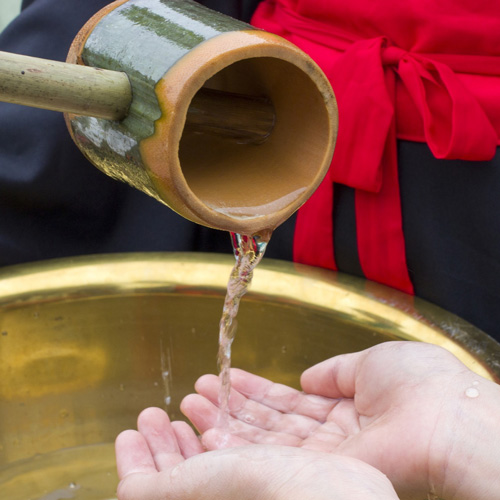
{"x":155,"y":384}
{"x":165,"y":374}
{"x":168,"y":400}
{"x":73,"y":486}
{"x":222,"y":439}
{"x":471,"y":392}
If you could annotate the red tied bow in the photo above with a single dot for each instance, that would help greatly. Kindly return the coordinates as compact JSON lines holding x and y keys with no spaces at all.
{"x":454,"y":126}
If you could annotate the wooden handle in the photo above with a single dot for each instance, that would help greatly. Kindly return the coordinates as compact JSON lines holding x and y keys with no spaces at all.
{"x":101,"y":93}
{"x":64,"y":87}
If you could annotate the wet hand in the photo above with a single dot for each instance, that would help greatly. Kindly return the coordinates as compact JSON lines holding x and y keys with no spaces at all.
{"x":403,"y":407}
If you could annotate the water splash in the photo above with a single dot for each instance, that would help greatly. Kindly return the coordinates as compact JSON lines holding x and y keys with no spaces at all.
{"x":166,"y":371}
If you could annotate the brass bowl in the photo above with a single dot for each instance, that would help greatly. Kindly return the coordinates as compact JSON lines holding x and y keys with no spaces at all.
{"x":87,"y":343}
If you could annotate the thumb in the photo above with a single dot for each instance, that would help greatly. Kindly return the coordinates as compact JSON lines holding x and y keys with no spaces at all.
{"x":334,"y":378}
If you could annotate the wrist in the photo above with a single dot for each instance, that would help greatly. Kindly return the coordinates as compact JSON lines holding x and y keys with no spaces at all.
{"x":468,"y":465}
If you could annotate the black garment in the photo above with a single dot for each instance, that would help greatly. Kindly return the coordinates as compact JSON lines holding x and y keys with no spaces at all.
{"x":239,"y":9}
{"x":53,"y":203}
{"x":451,"y":217}
{"x":451,"y":212}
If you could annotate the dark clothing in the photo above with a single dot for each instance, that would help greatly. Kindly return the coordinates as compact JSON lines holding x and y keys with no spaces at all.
{"x":53,"y":203}
{"x":450,"y":212}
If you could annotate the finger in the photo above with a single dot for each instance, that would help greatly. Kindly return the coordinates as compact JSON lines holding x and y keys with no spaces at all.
{"x":338,"y":377}
{"x":133,"y":454}
{"x":204,"y":416}
{"x":281,"y":397}
{"x":335,"y":377}
{"x":276,"y":396}
{"x":267,"y":405}
{"x":155,"y":426}
{"x":246,"y":417}
{"x":187,"y":440}
{"x":200,"y":411}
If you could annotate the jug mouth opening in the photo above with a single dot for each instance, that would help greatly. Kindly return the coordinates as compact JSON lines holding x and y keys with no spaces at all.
{"x":241,"y":186}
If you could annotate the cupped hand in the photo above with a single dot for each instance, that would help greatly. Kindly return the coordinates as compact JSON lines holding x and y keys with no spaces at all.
{"x":165,"y":460}
{"x":399,"y":406}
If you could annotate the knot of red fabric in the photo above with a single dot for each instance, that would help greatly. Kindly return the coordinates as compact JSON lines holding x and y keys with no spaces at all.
{"x":454,"y":124}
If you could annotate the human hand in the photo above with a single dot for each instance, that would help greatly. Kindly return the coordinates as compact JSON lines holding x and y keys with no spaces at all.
{"x":402,"y":407}
{"x":165,"y":460}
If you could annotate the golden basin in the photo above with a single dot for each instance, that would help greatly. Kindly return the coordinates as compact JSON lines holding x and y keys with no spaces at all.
{"x":87,"y":343}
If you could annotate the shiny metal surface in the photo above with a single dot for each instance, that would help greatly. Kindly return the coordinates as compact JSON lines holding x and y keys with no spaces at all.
{"x":87,"y":343}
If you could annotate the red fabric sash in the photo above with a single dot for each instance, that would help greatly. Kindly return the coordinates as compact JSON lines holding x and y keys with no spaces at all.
{"x":383,"y":92}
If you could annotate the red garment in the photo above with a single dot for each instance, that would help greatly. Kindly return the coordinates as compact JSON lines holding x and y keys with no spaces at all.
{"x":416,"y":70}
